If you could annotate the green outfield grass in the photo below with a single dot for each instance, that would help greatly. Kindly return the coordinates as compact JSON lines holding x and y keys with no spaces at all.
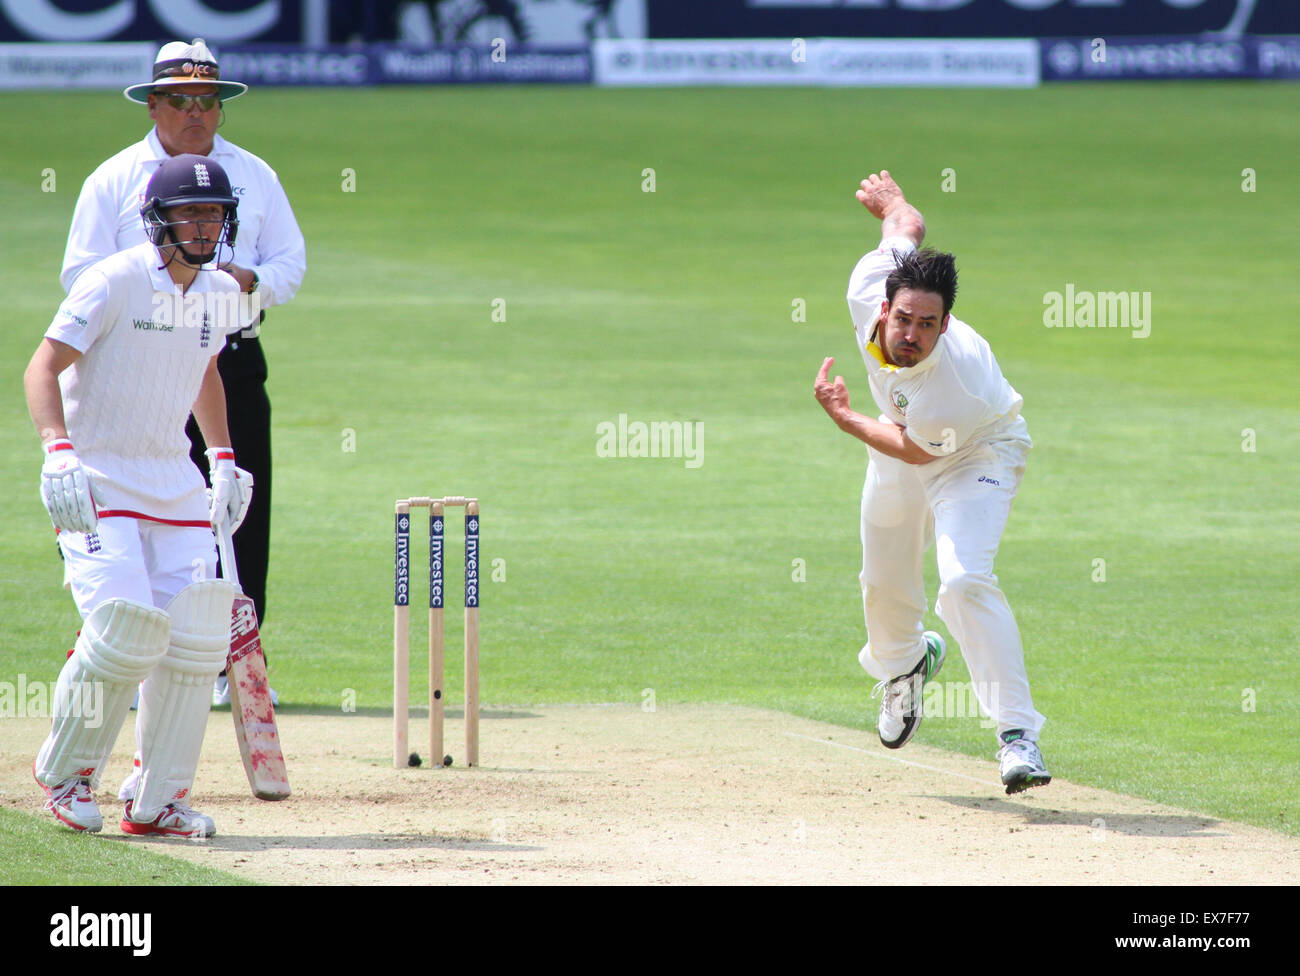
{"x":1175,"y":679}
{"x":40,"y":852}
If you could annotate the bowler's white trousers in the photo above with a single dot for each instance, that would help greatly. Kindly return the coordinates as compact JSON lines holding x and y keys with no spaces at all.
{"x":963,"y":506}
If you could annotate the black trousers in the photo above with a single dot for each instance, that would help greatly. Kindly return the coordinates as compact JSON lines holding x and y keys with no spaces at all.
{"x":248,"y":413}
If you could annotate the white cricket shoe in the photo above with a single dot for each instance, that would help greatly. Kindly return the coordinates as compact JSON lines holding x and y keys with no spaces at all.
{"x":176,"y":820}
{"x":73,"y":803}
{"x":900,"y":703}
{"x":221,"y":693}
{"x":1021,"y":763}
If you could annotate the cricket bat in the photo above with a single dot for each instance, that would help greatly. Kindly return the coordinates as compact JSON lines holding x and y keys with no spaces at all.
{"x":250,"y":695}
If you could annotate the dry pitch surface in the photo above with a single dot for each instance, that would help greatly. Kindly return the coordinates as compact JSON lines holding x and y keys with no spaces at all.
{"x":681,"y":795}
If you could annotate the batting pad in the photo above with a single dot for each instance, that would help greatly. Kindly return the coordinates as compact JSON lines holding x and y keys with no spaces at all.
{"x":121,"y":642}
{"x":176,"y":698}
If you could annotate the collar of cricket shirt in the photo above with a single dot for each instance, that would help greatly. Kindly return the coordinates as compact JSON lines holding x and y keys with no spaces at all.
{"x":160,"y":279}
{"x":929,"y":362}
{"x":220,"y":147}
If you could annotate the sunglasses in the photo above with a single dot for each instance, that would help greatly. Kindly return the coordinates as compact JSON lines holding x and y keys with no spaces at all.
{"x":182,"y":103}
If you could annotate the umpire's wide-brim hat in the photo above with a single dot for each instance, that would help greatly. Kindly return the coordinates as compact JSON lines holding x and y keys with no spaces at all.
{"x":180,"y":65}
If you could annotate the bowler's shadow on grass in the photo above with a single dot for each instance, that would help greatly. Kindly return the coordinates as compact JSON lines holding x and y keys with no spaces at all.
{"x":345,"y":842}
{"x":1132,"y":824}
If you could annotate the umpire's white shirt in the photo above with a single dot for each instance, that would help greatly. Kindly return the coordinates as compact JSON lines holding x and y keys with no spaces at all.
{"x":950,"y":401}
{"x":107,"y":217}
{"x":127,"y":398}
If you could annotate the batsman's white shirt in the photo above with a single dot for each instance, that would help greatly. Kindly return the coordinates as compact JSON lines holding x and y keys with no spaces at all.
{"x":107,"y":217}
{"x":144,"y":348}
{"x":954,"y":398}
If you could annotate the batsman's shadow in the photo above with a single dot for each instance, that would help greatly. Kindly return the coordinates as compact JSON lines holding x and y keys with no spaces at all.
{"x":417,"y":711}
{"x":1132,"y":824}
{"x":358,"y":842}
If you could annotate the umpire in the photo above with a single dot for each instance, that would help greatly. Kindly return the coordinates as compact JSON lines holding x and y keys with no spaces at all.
{"x":186,"y":101}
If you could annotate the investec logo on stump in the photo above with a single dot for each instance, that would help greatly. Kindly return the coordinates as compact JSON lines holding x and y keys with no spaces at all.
{"x":103,"y":930}
{"x":402,"y":562}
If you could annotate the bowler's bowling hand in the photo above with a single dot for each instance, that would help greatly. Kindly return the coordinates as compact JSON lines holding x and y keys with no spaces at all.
{"x":880,"y":194}
{"x":833,"y":396}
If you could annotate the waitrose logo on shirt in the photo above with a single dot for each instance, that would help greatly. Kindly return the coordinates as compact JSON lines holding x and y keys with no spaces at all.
{"x":148,"y":325}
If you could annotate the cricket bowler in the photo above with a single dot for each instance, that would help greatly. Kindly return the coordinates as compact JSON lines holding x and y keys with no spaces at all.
{"x":945,"y":461}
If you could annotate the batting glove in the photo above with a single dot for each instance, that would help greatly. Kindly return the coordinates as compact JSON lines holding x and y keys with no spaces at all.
{"x":231,"y":491}
{"x":66,"y":490}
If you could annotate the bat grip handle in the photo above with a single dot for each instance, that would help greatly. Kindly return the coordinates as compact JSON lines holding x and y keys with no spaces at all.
{"x":226,"y":550}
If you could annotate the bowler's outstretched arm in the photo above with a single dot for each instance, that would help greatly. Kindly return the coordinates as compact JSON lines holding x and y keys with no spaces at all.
{"x":883,"y":197}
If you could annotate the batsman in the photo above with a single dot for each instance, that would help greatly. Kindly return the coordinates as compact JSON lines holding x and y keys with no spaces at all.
{"x":945,"y":461}
{"x":130,"y":353}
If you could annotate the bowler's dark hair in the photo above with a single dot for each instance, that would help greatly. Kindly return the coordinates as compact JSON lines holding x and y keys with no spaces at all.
{"x":924,"y":270}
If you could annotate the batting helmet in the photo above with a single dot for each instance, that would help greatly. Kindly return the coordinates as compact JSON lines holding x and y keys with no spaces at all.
{"x":181,"y":180}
